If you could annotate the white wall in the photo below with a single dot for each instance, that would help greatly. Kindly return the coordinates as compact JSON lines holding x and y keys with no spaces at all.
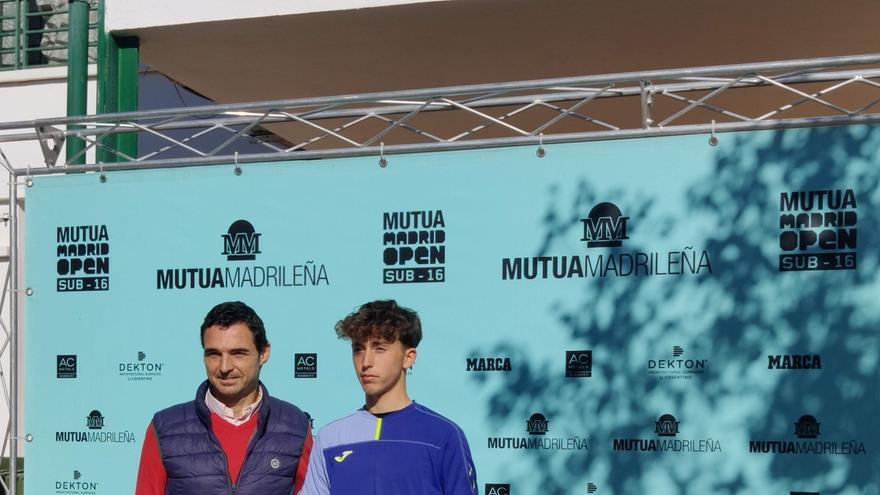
{"x":121,"y":15}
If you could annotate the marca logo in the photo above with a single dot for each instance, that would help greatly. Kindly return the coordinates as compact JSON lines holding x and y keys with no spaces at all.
{"x":605,"y":226}
{"x":591,"y":488}
{"x":488,"y":364}
{"x":305,"y":365}
{"x":537,"y":424}
{"x":66,"y":366}
{"x":579,"y":364}
{"x":794,"y":362}
{"x":497,"y":488}
{"x":241,"y":242}
{"x":666,"y":426}
{"x":806,"y":427}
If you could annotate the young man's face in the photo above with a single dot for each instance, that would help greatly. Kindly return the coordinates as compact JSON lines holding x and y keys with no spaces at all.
{"x":381,"y":365}
{"x":232,"y":362}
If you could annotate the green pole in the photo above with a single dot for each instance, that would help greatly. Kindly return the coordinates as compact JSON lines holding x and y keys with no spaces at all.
{"x":106,"y":84}
{"x":127,"y":88}
{"x":117,"y":86}
{"x":77,"y":72}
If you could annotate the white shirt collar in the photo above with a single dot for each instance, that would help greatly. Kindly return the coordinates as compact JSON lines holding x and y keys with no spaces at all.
{"x":226,"y":413}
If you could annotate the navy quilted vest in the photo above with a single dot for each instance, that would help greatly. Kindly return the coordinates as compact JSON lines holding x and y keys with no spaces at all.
{"x":196,"y":464}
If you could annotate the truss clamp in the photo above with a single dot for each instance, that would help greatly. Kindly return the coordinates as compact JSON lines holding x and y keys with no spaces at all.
{"x":50,"y":154}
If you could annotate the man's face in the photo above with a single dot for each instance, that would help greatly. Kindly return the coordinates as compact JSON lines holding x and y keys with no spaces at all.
{"x":232,"y":362}
{"x":381,"y":365}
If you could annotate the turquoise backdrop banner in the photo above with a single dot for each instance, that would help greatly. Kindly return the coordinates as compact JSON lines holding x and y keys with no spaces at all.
{"x":623,"y":317}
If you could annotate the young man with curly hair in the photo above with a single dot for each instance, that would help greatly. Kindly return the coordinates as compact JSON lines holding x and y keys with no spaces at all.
{"x":392,"y":445}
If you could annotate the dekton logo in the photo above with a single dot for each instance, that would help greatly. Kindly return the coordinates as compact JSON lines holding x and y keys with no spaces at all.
{"x":76,"y":487}
{"x":677,"y":368}
{"x":140,"y":370}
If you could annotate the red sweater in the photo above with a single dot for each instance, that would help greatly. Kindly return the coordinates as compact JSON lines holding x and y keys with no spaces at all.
{"x":234,"y":441}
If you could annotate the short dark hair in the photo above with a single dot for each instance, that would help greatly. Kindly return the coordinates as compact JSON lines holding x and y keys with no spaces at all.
{"x":383,"y":319}
{"x":229,"y":313}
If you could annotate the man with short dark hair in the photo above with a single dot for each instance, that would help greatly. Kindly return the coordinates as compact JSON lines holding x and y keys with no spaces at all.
{"x":234,"y":437}
{"x":391,"y":446}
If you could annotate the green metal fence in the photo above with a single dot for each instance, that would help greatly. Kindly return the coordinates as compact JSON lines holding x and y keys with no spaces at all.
{"x":33,"y":33}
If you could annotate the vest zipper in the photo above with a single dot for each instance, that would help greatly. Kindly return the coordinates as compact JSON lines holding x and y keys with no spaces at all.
{"x":247,"y":454}
{"x":233,"y":489}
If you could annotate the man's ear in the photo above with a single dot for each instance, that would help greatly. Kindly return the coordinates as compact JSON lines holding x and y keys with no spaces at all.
{"x":264,"y":356}
{"x":409,"y":358}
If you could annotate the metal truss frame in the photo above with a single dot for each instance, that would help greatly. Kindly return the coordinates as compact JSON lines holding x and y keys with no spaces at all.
{"x":652,"y":103}
{"x":404,"y":118}
{"x":10,"y":381}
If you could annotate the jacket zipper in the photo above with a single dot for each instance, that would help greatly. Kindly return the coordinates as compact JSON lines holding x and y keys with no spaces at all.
{"x":247,"y":454}
{"x":233,"y":487}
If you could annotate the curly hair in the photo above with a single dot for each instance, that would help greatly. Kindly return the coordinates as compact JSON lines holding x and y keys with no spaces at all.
{"x":382,"y":319}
